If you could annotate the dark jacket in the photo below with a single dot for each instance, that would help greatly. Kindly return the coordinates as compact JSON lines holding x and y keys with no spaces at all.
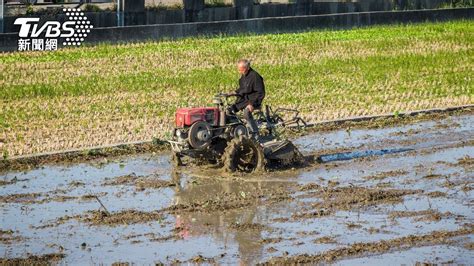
{"x":251,"y":90}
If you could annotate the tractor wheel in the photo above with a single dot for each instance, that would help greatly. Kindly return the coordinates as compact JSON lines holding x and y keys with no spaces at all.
{"x":240,"y":130}
{"x":200,"y":135}
{"x":243,"y":155}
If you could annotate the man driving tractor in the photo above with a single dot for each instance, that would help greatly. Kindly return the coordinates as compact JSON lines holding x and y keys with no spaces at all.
{"x":218,"y":135}
{"x":251,"y":93}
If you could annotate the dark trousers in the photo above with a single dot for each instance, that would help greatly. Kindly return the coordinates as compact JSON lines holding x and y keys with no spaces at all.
{"x":251,"y":124}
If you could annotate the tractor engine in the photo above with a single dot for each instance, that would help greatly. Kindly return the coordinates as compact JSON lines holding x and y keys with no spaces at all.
{"x":194,"y":125}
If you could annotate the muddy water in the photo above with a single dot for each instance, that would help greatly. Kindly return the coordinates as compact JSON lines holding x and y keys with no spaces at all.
{"x":368,"y":186}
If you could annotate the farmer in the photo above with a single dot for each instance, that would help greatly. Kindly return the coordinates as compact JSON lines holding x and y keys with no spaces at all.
{"x":250,"y":93}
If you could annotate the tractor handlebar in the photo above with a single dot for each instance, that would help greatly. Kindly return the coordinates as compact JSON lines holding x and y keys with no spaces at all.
{"x":226,"y":95}
{"x":222,"y":99}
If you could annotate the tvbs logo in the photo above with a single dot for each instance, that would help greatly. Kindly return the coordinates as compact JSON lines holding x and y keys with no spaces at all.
{"x":72,"y":32}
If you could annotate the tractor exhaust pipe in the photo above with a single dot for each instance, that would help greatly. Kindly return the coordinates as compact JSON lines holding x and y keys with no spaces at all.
{"x":222,"y":118}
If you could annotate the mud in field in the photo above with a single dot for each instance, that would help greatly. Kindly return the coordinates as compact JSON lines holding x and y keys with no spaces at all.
{"x":399,"y":194}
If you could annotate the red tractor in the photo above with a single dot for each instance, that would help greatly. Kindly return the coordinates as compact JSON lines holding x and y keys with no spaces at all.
{"x":214,"y":135}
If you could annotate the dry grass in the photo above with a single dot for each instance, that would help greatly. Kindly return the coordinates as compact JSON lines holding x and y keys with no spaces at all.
{"x":108,"y":94}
